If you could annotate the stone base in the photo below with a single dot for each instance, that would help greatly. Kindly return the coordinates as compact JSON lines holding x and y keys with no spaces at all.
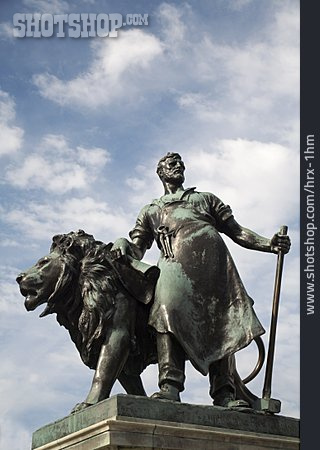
{"x":129,"y":422}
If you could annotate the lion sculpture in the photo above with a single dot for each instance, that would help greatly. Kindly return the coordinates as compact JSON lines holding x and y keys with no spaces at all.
{"x":79,"y":280}
{"x":104,"y":303}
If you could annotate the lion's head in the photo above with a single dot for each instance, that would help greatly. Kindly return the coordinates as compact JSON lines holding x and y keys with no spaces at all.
{"x":79,"y":283}
{"x":46,"y":280}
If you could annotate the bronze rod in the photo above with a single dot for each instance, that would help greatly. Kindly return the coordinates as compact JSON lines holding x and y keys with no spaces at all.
{"x":266,"y":393}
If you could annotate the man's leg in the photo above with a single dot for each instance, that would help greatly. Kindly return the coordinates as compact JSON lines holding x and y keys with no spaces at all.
{"x":171,"y":359}
{"x":222,"y":388}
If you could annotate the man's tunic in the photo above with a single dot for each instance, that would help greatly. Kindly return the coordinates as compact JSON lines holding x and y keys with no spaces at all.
{"x":199,"y":295}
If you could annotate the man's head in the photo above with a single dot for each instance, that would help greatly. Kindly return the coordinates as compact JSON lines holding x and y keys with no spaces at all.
{"x":171,"y":168}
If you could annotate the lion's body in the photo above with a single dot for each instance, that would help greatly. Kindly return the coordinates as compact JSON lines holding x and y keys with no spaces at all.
{"x":81,"y":284}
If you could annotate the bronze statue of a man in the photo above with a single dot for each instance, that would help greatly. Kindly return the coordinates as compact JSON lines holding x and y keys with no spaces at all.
{"x":201,"y":310}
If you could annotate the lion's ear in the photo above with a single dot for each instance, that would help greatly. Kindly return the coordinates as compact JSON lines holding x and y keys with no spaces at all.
{"x":56,"y":240}
{"x":63,"y":242}
{"x":109,"y":246}
{"x":67,"y":242}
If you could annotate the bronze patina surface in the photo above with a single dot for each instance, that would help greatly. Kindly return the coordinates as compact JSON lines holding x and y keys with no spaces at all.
{"x":123,"y":314}
{"x":201,"y":309}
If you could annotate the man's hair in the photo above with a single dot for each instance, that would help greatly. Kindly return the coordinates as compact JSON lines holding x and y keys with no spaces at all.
{"x":164,"y":158}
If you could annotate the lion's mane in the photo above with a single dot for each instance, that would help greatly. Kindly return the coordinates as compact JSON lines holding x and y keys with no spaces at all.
{"x":84,"y":298}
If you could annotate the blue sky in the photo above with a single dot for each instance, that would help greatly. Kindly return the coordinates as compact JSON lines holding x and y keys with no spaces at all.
{"x":83,"y":123}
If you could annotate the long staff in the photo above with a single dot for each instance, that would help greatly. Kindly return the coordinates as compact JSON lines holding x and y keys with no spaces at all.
{"x":266,"y":393}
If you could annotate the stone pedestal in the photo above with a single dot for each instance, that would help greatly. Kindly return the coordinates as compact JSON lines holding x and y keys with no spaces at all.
{"x":129,"y":422}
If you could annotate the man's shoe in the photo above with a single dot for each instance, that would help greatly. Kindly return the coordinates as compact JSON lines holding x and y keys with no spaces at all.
{"x":167,"y":392}
{"x":239,"y":404}
{"x":226,"y":398}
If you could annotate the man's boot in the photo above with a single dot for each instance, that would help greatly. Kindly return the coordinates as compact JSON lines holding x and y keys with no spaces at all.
{"x":171,"y":358}
{"x":167,"y":392}
{"x":225,"y":397}
{"x":222,"y":388}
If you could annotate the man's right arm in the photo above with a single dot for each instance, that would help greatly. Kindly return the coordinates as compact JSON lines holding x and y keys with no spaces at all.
{"x":141,"y":237}
{"x":139,"y":247}
{"x":136,"y":249}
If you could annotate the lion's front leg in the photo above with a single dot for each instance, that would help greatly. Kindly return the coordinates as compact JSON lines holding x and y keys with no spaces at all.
{"x":112,"y":358}
{"x":114,"y":352}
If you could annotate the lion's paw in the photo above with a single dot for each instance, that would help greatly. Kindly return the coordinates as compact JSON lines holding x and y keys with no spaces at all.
{"x":80,"y":407}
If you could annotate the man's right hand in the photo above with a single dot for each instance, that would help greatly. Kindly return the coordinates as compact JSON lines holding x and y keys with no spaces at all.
{"x":128,"y":248}
{"x":122,"y":245}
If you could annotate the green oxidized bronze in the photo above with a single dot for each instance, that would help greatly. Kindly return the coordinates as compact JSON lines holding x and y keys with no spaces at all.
{"x":104,"y":304}
{"x":123,"y":314}
{"x":201,"y":310}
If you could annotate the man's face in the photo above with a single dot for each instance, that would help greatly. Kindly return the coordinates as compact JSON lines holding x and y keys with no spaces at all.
{"x":172,"y":170}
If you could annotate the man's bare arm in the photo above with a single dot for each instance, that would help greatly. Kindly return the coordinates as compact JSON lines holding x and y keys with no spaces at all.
{"x":139,"y":248}
{"x":251,"y":240}
{"x":136,"y":248}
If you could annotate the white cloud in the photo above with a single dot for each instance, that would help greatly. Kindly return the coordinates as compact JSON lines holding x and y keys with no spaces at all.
{"x":7,"y":107}
{"x":8,"y":291}
{"x":6,"y":30}
{"x":118,"y":67}
{"x":43,"y":220}
{"x":10,"y":135}
{"x":8,"y":243}
{"x":95,"y":157}
{"x":173,"y":28}
{"x":248,"y":86}
{"x":145,"y":185}
{"x":14,"y":435}
{"x":242,"y":88}
{"x":201,"y":106}
{"x":238,"y":5}
{"x":252,"y":176}
{"x":57,"y":167}
{"x":47,"y":6}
